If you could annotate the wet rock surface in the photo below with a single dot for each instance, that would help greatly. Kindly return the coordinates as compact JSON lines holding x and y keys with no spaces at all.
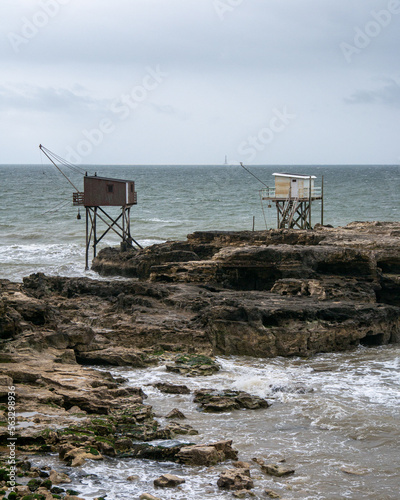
{"x":256,"y":260}
{"x":168,"y":481}
{"x":235,"y":479}
{"x":193,"y":365}
{"x":277,"y":470}
{"x":207,"y":454}
{"x":271,"y":293}
{"x":264,"y":294}
{"x":279,"y":292}
{"x":216,"y":401}
{"x":172,"y":388}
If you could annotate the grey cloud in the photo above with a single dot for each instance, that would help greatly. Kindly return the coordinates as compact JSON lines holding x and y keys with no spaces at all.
{"x":388,"y":94}
{"x":167,"y":109}
{"x":190,"y":33}
{"x":36,"y":98}
{"x":263,"y":54}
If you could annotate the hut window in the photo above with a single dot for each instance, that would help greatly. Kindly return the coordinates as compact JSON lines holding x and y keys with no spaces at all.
{"x":110,"y":188}
{"x":131,"y":188}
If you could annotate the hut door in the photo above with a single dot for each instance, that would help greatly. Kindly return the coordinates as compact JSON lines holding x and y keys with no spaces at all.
{"x":295,"y":189}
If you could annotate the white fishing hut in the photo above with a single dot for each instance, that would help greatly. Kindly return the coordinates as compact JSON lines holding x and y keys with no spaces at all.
{"x":293,"y":195}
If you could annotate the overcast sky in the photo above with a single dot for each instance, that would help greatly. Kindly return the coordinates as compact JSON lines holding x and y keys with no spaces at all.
{"x":190,"y":81}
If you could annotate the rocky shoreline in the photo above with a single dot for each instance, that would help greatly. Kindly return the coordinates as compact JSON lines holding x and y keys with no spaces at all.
{"x":263,"y":294}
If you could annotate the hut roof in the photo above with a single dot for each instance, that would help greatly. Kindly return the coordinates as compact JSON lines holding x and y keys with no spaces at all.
{"x":110,"y":179}
{"x":295,"y":176}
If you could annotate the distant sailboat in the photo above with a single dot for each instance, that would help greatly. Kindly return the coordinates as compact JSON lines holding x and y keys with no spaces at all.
{"x":226,"y":160}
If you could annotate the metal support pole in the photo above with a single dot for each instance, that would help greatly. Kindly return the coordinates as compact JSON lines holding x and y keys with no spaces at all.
{"x":123,"y":225}
{"x":302,"y":215}
{"x":309,"y":201}
{"x":322,"y":201}
{"x":94,"y":232}
{"x":277,"y":214}
{"x":87,"y":240}
{"x":128,"y":222}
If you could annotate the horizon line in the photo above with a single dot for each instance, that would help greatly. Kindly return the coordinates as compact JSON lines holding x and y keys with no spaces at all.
{"x":216,"y":164}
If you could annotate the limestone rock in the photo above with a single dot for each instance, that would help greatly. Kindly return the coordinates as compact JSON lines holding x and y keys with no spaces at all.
{"x":177,"y":428}
{"x":242,"y":465}
{"x":237,"y":300}
{"x":175,"y":413}
{"x":235,"y":479}
{"x":114,"y":356}
{"x":277,"y":470}
{"x":169,"y":388}
{"x":200,"y":455}
{"x":168,"y":481}
{"x":66,"y":357}
{"x":271,"y":493}
{"x":31,"y":309}
{"x":216,"y":401}
{"x":147,"y":496}
{"x":193,"y":365}
{"x":78,"y":456}
{"x":6,"y":381}
{"x":243,"y":494}
{"x":59,"y":477}
{"x":207,"y":454}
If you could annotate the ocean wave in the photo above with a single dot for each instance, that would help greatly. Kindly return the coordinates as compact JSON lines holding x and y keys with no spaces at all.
{"x":54,"y":259}
{"x":164,"y":221}
{"x":25,"y":236}
{"x":151,"y":241}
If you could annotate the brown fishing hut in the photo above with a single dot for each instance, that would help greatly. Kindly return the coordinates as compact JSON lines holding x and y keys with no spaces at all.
{"x":101,"y":192}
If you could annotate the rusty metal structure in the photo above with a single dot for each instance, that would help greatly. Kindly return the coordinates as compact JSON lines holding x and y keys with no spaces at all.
{"x":100,"y":192}
{"x":293,"y":195}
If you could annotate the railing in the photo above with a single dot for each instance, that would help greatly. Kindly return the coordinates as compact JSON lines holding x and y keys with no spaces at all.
{"x":316,"y":192}
{"x":270,"y":193}
{"x":78,"y":198}
{"x":267,"y":193}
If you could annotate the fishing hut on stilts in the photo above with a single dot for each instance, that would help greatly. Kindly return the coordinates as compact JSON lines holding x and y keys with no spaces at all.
{"x":293,"y":196}
{"x":98,"y":193}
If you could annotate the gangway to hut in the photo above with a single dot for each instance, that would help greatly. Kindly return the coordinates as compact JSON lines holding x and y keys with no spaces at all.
{"x":293,"y":195}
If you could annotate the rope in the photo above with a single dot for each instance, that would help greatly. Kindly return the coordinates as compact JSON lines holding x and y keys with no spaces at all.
{"x":262,"y":208}
{"x":66,"y":163}
{"x":263,"y":183}
{"x":50,"y":156}
{"x":59,"y":207}
{"x":251,"y":173}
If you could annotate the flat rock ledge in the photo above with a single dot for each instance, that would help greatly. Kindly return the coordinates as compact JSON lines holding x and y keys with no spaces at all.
{"x":278,"y":292}
{"x":263,"y":294}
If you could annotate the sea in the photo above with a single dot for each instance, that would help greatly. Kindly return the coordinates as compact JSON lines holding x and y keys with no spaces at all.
{"x":334,"y":418}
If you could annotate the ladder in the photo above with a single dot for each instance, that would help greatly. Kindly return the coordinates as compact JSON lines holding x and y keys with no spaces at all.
{"x":289,"y":211}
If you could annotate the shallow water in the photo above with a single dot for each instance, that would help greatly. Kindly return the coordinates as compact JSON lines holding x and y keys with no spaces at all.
{"x":334,"y":418}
